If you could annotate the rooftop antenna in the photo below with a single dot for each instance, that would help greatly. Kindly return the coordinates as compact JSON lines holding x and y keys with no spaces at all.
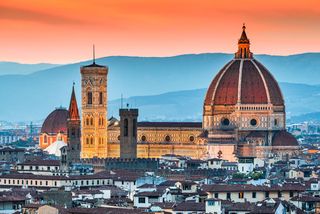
{"x":121,"y":101}
{"x":94,"y":54}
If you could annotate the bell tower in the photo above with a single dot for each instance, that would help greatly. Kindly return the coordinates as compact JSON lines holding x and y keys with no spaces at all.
{"x":73,"y":124}
{"x":94,"y":111}
{"x":128,"y":133}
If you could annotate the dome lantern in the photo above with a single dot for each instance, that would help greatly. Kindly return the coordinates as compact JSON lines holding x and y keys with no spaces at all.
{"x":243,"y":46}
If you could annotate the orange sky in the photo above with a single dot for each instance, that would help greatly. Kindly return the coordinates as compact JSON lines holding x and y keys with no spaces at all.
{"x":62,"y":31}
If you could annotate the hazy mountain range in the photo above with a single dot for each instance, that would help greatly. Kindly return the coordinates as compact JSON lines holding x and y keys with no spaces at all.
{"x":164,"y":88}
{"x":11,"y":68}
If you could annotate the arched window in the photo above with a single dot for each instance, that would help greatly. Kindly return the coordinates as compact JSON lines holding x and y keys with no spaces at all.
{"x":100,"y":98}
{"x":143,"y":138}
{"x":73,"y":132}
{"x":87,"y":140}
{"x":134,"y":128}
{"x":91,"y":141}
{"x":167,"y":138}
{"x":87,"y":121}
{"x":59,"y":137}
{"x":91,"y":121}
{"x":125,"y":127}
{"x":89,"y":95}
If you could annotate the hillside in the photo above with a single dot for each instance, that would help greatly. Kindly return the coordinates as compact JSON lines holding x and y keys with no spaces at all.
{"x":33,"y":96}
{"x":13,"y":68}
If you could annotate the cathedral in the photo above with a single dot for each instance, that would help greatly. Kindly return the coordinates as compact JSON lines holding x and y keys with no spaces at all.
{"x":243,"y":116}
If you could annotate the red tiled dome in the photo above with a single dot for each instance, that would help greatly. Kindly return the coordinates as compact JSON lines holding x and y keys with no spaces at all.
{"x":56,"y":121}
{"x":245,"y":81}
{"x":283,"y":138}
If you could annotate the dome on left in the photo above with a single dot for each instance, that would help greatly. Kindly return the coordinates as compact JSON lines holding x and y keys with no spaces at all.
{"x":56,"y":121}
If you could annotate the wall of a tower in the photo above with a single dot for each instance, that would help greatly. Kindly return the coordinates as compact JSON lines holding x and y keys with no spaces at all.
{"x":94,"y":111}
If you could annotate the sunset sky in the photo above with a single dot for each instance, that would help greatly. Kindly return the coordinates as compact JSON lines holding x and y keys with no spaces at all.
{"x":63,"y":31}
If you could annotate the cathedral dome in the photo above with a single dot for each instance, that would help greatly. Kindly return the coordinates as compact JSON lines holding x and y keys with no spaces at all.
{"x":244,"y":81}
{"x":56,"y":121}
{"x":243,"y":95}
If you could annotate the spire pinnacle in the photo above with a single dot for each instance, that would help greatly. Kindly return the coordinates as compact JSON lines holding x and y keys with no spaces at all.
{"x":73,"y":107}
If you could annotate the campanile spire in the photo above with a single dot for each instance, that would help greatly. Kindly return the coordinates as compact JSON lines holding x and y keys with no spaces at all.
{"x":243,"y":46}
{"x":73,"y":107}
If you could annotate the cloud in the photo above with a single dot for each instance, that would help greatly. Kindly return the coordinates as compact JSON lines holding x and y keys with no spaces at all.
{"x":10,"y":13}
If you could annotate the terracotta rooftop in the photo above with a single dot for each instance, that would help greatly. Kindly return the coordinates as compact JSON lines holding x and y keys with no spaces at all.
{"x":41,"y":163}
{"x":248,"y":77}
{"x":189,"y":206}
{"x":171,"y":124}
{"x":250,"y":187}
{"x":284,"y":138}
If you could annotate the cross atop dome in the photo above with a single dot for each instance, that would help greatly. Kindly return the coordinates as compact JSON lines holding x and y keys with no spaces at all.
{"x":243,"y":46}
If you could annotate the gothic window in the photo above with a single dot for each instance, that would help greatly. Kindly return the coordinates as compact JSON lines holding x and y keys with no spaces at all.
{"x":126,"y":127}
{"x":91,"y":141}
{"x":275,"y":122}
{"x":89,"y":98}
{"x":134,"y":127}
{"x":87,"y":121}
{"x":91,"y":121}
{"x":100,"y":98}
{"x":99,"y":121}
{"x":87,"y":140}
